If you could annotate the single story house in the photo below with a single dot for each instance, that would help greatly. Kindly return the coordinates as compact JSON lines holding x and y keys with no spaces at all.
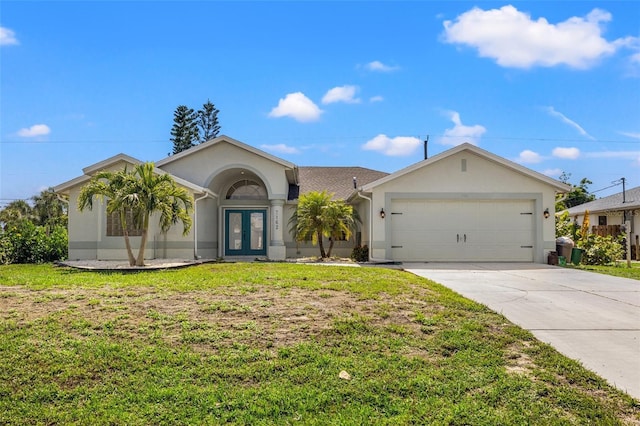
{"x":465,"y":204}
{"x":607,"y":214}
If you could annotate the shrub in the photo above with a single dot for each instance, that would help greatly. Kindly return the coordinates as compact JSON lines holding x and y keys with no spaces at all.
{"x":360,"y":253}
{"x":565,"y":227}
{"x":25,"y":242}
{"x":599,"y":250}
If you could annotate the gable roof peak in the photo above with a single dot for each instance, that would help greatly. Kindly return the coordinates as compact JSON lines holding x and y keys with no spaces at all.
{"x":224,"y":139}
{"x":559,"y":186}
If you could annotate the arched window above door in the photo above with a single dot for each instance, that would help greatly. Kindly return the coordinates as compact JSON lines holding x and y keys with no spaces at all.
{"x":246,"y":190}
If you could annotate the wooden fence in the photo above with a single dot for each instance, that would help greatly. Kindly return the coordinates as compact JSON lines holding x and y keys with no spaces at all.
{"x":606,"y":230}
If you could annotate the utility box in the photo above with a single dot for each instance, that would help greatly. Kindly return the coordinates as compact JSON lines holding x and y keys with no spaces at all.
{"x":564,"y":245}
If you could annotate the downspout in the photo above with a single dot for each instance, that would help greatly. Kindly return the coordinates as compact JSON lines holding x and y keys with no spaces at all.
{"x":371,"y":258}
{"x":195,"y":222}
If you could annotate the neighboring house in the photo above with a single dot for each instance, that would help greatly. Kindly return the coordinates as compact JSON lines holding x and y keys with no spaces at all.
{"x":464,"y":204}
{"x":608,"y":213}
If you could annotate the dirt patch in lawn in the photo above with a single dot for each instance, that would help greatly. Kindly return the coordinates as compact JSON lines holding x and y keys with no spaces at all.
{"x":261,"y":318}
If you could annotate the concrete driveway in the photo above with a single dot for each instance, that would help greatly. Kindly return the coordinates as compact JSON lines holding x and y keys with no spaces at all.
{"x":592,"y":318}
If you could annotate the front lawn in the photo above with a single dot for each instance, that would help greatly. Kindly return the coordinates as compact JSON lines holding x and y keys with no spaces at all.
{"x":620,"y":269}
{"x":276,"y":344}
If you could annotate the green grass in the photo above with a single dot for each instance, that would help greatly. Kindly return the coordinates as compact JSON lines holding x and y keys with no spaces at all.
{"x":620,"y":269}
{"x":264,"y":344}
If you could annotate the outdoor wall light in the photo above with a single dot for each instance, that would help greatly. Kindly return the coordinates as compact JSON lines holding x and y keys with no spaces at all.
{"x":546,"y":214}
{"x":382,"y":214}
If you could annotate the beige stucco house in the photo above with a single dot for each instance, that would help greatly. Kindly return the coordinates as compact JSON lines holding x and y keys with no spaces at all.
{"x":464,"y":204}
{"x":608,"y":214}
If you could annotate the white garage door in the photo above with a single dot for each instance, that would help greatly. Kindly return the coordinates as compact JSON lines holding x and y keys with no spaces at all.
{"x":462,"y":231}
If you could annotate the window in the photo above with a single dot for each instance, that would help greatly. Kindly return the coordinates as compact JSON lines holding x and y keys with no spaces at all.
{"x":114,"y":226}
{"x":342,"y":237}
{"x":602,"y":220}
{"x":246,"y":190}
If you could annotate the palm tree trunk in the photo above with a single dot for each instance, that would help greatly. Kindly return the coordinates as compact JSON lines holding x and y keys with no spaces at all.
{"x":143,"y":241}
{"x":127,"y":243}
{"x":322,"y":253}
{"x":330,"y":247}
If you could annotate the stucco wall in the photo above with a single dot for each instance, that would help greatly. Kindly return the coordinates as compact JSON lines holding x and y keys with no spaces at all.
{"x":202,"y":167}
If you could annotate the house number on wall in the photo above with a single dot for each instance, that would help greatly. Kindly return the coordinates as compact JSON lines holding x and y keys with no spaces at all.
{"x":276,"y":220}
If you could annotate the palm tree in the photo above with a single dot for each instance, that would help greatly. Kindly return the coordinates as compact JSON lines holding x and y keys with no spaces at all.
{"x":141,"y":192}
{"x":49,"y":210}
{"x":340,"y":219}
{"x":15,"y":212}
{"x":317,"y":216}
{"x":308,"y":222}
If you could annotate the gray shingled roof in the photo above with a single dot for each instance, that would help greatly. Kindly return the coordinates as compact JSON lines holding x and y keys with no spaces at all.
{"x":610,"y":203}
{"x":337,"y":180}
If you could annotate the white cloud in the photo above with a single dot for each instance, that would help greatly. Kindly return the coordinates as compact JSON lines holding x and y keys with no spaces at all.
{"x":380,"y":67}
{"x":460,"y":133}
{"x":297,"y":106}
{"x":7,"y":37}
{"x":552,"y":172}
{"x":395,"y":147}
{"x":514,"y":39}
{"x":34,"y":131}
{"x":377,"y":98}
{"x":529,"y":157}
{"x":631,"y":134}
{"x":281,"y":148}
{"x":566,"y":153}
{"x":568,"y":121}
{"x":344,"y":94}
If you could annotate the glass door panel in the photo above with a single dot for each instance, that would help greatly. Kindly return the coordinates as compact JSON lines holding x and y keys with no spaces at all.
{"x":257,"y":230}
{"x":245,"y":232}
{"x":235,"y":230}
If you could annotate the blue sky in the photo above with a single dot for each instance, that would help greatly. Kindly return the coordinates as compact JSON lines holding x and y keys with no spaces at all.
{"x":554,"y":86}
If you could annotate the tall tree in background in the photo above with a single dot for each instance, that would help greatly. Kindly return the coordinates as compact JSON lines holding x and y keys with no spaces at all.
{"x":49,"y":211}
{"x":15,"y":212}
{"x":208,"y":121}
{"x":579,"y":194}
{"x":185,"y":132}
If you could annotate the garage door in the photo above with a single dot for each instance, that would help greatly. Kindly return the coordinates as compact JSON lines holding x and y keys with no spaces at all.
{"x":462,"y":230}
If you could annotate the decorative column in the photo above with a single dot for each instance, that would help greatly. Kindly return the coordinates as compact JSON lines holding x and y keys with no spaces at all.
{"x":277,"y":249}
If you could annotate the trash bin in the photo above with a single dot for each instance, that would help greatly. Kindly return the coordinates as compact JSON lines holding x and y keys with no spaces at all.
{"x":552,"y":259}
{"x":564,"y":245}
{"x":576,"y":255}
{"x":562,"y":261}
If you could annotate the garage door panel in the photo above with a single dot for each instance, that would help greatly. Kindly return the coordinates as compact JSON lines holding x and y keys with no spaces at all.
{"x":462,"y":230}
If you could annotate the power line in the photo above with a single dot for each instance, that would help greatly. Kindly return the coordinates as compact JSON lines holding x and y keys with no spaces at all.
{"x":319,"y":138}
{"x":611,"y":186}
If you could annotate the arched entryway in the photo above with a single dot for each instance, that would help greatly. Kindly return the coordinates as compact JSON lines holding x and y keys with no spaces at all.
{"x":245,"y":227}
{"x":245,"y":210}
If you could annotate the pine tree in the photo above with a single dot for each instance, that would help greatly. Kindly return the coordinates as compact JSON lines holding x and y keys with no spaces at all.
{"x":208,"y":121}
{"x":185,"y":132}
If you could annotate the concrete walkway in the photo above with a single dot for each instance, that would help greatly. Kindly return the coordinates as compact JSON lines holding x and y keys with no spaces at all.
{"x":592,"y":318}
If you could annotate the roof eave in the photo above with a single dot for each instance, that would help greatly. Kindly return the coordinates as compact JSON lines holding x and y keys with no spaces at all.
{"x":557,"y":185}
